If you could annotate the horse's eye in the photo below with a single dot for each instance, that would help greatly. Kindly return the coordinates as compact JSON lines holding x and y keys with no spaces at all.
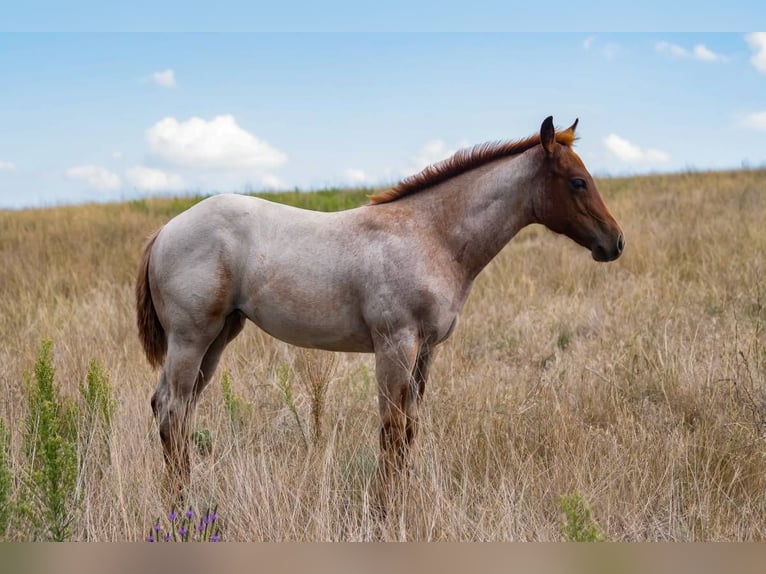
{"x":577,"y":184}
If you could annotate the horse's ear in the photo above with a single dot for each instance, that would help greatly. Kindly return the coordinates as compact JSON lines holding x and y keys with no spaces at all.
{"x":548,"y":135}
{"x":573,"y":127}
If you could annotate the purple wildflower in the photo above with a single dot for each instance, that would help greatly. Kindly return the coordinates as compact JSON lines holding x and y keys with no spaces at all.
{"x":181,"y":526}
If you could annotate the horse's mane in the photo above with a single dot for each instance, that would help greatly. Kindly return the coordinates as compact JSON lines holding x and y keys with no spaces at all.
{"x":461,"y":161}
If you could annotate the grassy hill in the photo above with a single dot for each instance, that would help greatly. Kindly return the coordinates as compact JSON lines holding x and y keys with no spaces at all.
{"x":635,"y":391}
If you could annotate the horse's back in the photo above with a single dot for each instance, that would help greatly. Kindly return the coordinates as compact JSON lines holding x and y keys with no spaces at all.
{"x":232,"y":226}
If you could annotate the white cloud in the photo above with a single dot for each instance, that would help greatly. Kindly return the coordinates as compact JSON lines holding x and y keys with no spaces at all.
{"x":96,"y":177}
{"x":626,"y":151}
{"x":610,"y":50}
{"x":7,"y":166}
{"x":671,"y":49}
{"x":757,"y":42}
{"x":150,"y":179}
{"x":165,"y":79}
{"x":215,"y":144}
{"x":699,"y":52}
{"x":116,"y":155}
{"x":355,"y":176}
{"x":756,"y":120}
{"x":703,"y":53}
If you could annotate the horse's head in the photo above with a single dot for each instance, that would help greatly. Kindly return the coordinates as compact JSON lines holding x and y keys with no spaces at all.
{"x":568,"y":201}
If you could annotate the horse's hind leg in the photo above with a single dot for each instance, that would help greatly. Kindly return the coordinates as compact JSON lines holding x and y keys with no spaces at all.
{"x":188,"y":368}
{"x":173,"y":405}
{"x":234,"y":324}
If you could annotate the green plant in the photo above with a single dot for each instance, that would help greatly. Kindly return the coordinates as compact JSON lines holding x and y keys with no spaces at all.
{"x":316,"y":370}
{"x":203,"y":441}
{"x":51,"y":452}
{"x":564,"y":339}
{"x":97,"y":395}
{"x":578,"y":525}
{"x":322,"y":200}
{"x":285,"y":384}
{"x":94,"y":421}
{"x":238,"y":409}
{"x":139,"y":205}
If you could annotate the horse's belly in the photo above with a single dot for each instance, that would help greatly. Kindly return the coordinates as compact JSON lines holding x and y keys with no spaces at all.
{"x":331,"y":331}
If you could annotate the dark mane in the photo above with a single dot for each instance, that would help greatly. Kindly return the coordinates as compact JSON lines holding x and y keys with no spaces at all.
{"x":461,"y":161}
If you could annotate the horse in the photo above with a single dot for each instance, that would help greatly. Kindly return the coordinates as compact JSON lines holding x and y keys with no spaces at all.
{"x":389,"y":277}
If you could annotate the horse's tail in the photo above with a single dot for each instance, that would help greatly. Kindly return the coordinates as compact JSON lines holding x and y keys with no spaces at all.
{"x":150,"y":330}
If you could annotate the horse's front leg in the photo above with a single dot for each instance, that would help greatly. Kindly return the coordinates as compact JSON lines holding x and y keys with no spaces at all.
{"x":396,"y":358}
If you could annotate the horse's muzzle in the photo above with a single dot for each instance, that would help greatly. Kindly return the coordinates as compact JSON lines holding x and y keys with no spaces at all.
{"x":608,"y":251}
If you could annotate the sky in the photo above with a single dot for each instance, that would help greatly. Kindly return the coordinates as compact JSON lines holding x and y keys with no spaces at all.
{"x":115,"y":116}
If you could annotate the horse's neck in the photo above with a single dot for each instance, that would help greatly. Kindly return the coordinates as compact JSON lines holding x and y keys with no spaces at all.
{"x":485,"y":208}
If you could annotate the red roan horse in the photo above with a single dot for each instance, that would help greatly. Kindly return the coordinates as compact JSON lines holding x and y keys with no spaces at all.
{"x":388,"y":278}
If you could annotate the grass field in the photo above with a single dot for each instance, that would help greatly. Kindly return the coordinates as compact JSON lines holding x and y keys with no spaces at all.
{"x":633,"y":391}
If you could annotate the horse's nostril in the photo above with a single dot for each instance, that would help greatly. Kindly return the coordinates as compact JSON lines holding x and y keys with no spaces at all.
{"x":620,"y":243}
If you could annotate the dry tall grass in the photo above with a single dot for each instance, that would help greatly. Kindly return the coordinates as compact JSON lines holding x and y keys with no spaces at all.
{"x":640,"y":384}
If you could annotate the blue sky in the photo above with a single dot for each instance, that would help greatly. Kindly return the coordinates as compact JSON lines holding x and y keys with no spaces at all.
{"x":102,"y":117}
